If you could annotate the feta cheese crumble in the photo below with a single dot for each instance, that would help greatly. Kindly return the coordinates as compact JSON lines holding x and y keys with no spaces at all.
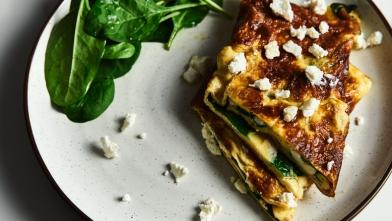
{"x":299,"y":33}
{"x":333,"y":81}
{"x":129,"y":121}
{"x":309,"y":107}
{"x":288,"y":197}
{"x":359,"y":121}
{"x":165,"y":173}
{"x":315,"y":75}
{"x":330,"y":165}
{"x":319,"y":6}
{"x":198,"y":66}
{"x":282,"y":8}
{"x":211,"y":143}
{"x":109,"y":148}
{"x":289,"y":113}
{"x":126,"y":198}
{"x":330,"y":140}
{"x":323,"y":27}
{"x":313,"y":33}
{"x":142,"y":136}
{"x":292,"y":48}
{"x":282,"y":94}
{"x":208,"y":209}
{"x":238,"y":64}
{"x":360,"y":42}
{"x":262,"y":84}
{"x":374,"y":39}
{"x":272,"y":50}
{"x":178,"y":171}
{"x":317,"y":51}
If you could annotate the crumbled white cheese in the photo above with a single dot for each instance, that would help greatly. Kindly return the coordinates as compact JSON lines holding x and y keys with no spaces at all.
{"x":201,"y":64}
{"x":142,"y":136}
{"x":126,"y":198}
{"x":348,"y":151}
{"x":330,"y":140}
{"x":178,"y":171}
{"x":309,"y":107}
{"x":359,"y":121}
{"x":211,"y":143}
{"x":319,"y":6}
{"x":323,"y":27}
{"x":109,"y":148}
{"x":191,"y":76}
{"x":282,"y":94}
{"x":360,"y":42}
{"x":198,"y":66}
{"x":208,"y":209}
{"x":288,"y":197}
{"x":238,"y":64}
{"x":317,"y":51}
{"x":313,"y":33}
{"x":374,"y":39}
{"x":315,"y":75}
{"x":262,"y":84}
{"x":289,"y":113}
{"x":333,"y":81}
{"x":129,"y":121}
{"x":330,"y":165}
{"x":240,"y":186}
{"x":299,"y":33}
{"x":272,"y":50}
{"x":293,"y":48}
{"x":282,"y":8}
{"x":165,"y":173}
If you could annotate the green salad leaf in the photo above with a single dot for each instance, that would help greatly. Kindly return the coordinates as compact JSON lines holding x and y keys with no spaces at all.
{"x":72,"y":58}
{"x":119,"y":51}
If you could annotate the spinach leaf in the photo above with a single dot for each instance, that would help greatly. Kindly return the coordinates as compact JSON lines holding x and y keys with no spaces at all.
{"x":186,"y":19}
{"x":98,"y":98}
{"x":119,"y":67}
{"x":342,"y":10}
{"x":119,"y":51}
{"x":162,"y":34}
{"x":128,"y":20}
{"x":72,"y":58}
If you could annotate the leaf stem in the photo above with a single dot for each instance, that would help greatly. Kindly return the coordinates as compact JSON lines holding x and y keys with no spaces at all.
{"x":182,"y":7}
{"x":215,"y":7}
{"x":169,"y":16}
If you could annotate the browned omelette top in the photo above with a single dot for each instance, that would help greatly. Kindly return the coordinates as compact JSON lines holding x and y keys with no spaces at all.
{"x":256,"y":27}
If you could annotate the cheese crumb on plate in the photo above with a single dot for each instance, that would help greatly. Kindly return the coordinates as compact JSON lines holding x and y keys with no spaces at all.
{"x":109,"y":148}
{"x":208,"y":209}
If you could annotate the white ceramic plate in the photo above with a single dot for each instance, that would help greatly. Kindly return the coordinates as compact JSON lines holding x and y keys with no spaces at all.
{"x":154,"y":90}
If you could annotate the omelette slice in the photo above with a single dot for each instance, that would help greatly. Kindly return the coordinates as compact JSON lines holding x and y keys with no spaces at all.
{"x":303,"y":101}
{"x":272,"y":196}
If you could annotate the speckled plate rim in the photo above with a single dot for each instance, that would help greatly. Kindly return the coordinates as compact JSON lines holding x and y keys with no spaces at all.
{"x":54,"y":184}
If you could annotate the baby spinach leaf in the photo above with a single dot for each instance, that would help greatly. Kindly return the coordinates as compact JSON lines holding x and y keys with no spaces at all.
{"x":119,"y":67}
{"x":98,"y":98}
{"x":128,"y":20}
{"x":186,"y":19}
{"x":342,"y":10}
{"x":72,"y":58}
{"x":162,"y":34}
{"x":119,"y":51}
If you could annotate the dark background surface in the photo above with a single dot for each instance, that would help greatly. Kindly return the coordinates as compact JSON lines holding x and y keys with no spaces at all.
{"x":25,"y":192}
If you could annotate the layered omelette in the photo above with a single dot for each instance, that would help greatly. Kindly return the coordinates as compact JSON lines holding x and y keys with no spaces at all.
{"x":279,"y":101}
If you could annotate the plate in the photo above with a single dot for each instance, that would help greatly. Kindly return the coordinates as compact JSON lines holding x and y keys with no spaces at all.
{"x":69,"y":152}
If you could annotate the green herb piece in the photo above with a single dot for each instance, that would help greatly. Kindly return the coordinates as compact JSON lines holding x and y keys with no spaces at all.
{"x":119,"y":51}
{"x":98,"y":98}
{"x":342,"y":10}
{"x":72,"y":58}
{"x":186,"y":19}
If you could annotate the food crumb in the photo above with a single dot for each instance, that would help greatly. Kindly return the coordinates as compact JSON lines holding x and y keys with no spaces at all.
{"x":359,"y":121}
{"x":126,"y":198}
{"x":142,"y":136}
